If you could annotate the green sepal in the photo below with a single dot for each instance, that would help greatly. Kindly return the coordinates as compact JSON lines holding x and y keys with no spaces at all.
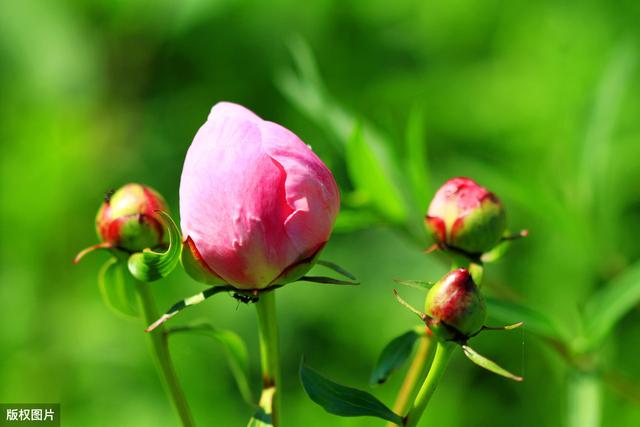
{"x":148,"y":265}
{"x":327,"y":280}
{"x":393,"y":356}
{"x":418,"y":284}
{"x":487,"y":364}
{"x":335,"y":267}
{"x":235,"y":351}
{"x":341,"y":400}
{"x":498,"y":251}
{"x":118,"y":288}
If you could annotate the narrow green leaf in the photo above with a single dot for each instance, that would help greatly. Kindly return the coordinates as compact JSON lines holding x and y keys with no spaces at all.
{"x":393,"y":357}
{"x":369,"y":168}
{"x":117,"y":288}
{"x":418,"y":284}
{"x":192,"y":300}
{"x":335,"y":267}
{"x":343,"y":401}
{"x":487,"y":364}
{"x":534,"y":321}
{"x":606,"y":307}
{"x":235,"y":351}
{"x":416,"y":159}
{"x":350,"y":220}
{"x":327,"y":280}
{"x":149,"y":265}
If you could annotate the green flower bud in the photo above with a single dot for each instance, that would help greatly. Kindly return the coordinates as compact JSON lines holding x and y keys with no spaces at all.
{"x":456,"y":302}
{"x":466,"y":216}
{"x":128,"y":220}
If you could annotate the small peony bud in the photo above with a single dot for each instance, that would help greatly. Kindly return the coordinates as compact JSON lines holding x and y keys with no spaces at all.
{"x":466,"y":216}
{"x":127,"y":218}
{"x":256,"y":204}
{"x":455,"y":300}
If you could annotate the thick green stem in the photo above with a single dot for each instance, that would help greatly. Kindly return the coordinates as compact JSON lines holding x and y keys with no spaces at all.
{"x":269,"y":356}
{"x":160,"y":350}
{"x":439,"y":365}
{"x":415,"y":374}
{"x":585,"y":397}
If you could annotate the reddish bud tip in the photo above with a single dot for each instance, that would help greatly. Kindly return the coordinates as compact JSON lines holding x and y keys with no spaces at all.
{"x":466,"y":216}
{"x":128,"y":218}
{"x":456,"y":301}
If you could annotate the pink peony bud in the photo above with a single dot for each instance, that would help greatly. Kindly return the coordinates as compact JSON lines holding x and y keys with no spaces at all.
{"x":466,"y":216}
{"x":127,"y":218}
{"x":456,"y":301}
{"x":256,"y":204}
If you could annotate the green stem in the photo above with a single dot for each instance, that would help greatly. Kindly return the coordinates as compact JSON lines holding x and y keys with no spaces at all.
{"x":269,"y":356}
{"x":160,"y":351}
{"x":585,"y":399}
{"x":416,"y":372}
{"x":439,"y":365}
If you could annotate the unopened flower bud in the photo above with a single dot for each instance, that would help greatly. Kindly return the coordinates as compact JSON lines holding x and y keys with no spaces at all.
{"x":466,"y":216}
{"x":256,"y":204}
{"x":128,"y":220}
{"x":455,"y":300}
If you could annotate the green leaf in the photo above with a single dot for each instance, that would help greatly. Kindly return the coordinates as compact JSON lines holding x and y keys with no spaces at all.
{"x":393,"y":357}
{"x":487,"y":364}
{"x":235,"y":351}
{"x":370,"y":169}
{"x":607,"y":306}
{"x":117,"y":288}
{"x":534,"y":321}
{"x":192,"y":300}
{"x":343,"y":401}
{"x":335,"y":267}
{"x":352,"y":220}
{"x":416,"y":159}
{"x":418,"y":284}
{"x":148,"y":265}
{"x":327,"y":280}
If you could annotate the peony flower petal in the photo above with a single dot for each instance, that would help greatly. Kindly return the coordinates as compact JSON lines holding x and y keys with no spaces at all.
{"x":254,"y":199}
{"x":232,"y":202}
{"x":310,"y":188}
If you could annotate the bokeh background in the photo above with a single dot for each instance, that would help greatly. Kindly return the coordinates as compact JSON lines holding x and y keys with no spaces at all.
{"x":536,"y":100}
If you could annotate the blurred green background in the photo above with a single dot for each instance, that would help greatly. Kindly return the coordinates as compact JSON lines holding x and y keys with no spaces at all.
{"x":536,"y":100}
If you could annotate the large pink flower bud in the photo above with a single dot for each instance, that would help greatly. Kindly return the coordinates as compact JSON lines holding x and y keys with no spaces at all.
{"x":256,"y":204}
{"x":466,"y":216}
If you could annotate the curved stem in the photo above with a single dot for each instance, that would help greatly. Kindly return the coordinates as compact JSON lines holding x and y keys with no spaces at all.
{"x":415,"y":374}
{"x":439,"y":365}
{"x":160,"y":351}
{"x":269,"y":356}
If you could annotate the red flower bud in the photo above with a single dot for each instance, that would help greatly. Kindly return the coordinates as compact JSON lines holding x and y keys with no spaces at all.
{"x":466,"y":216}
{"x":127,"y":218}
{"x":455,"y":300}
